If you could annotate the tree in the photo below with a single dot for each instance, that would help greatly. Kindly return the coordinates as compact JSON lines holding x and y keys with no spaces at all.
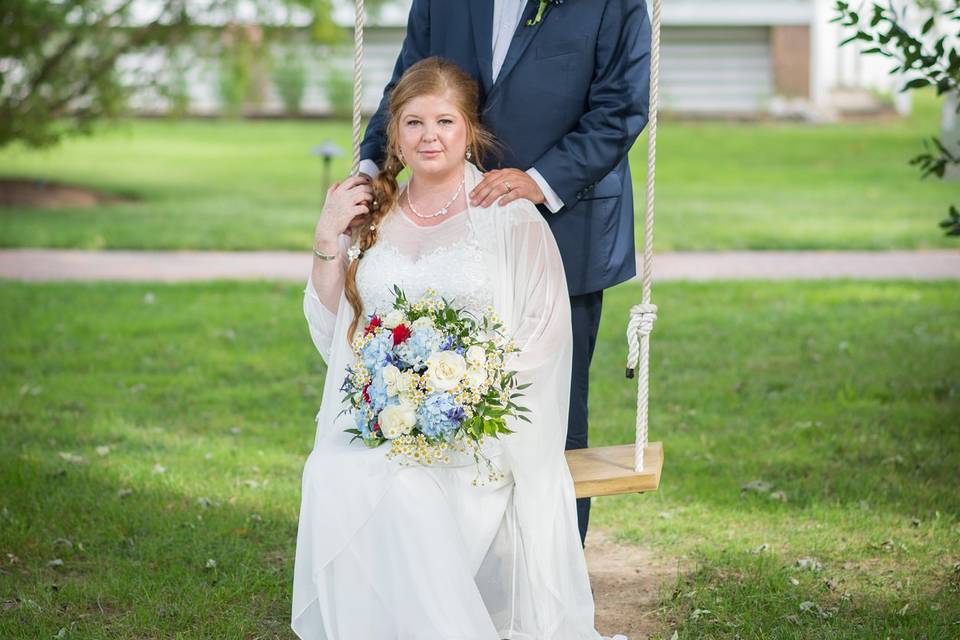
{"x":59,"y":58}
{"x":926,"y":54}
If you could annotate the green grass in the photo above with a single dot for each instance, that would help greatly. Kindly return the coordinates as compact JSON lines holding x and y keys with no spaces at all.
{"x":842,"y":395}
{"x":254,"y":185}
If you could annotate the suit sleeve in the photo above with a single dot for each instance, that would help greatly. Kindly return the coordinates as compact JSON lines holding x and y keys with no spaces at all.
{"x":617,"y":104}
{"x":416,"y":46}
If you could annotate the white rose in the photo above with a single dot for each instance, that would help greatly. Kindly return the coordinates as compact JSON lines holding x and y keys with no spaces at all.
{"x":406,"y":383}
{"x":423,"y":322}
{"x":476,"y":376}
{"x":391,"y":376}
{"x":397,"y":420}
{"x":393,"y":318}
{"x":445,"y":370}
{"x":476,"y":356}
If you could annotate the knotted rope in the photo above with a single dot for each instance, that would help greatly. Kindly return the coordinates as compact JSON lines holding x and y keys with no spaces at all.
{"x":642,"y":315}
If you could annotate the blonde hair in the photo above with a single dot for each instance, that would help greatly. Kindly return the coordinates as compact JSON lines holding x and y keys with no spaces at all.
{"x":432,"y":76}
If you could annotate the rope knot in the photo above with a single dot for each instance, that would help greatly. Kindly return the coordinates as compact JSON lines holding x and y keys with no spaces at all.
{"x":640,"y":325}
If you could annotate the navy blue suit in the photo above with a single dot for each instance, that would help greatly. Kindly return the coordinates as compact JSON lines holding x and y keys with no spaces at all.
{"x":570,"y":100}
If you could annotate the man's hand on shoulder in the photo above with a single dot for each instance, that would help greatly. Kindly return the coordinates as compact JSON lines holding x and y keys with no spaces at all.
{"x":504,"y":186}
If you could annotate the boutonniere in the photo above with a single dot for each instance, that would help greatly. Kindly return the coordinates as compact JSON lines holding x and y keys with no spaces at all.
{"x":541,"y":10}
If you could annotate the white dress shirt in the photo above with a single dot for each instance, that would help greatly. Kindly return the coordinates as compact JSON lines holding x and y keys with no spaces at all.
{"x":506,"y":17}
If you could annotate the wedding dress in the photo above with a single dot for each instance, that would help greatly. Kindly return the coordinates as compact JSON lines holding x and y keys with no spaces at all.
{"x":393,"y":552}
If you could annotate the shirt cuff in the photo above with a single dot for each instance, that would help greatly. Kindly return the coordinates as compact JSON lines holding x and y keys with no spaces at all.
{"x":551,"y":199}
{"x":369,"y":167}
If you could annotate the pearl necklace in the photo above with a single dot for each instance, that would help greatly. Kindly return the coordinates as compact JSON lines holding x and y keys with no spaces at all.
{"x":442,"y":211}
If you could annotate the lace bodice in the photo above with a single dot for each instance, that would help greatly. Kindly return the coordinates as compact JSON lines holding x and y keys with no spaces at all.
{"x":445,"y":257}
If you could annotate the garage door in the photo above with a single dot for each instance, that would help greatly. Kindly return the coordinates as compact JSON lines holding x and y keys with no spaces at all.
{"x":715,"y":70}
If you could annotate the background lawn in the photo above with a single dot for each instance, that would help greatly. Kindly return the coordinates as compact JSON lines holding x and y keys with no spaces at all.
{"x":200,"y":398}
{"x":254,"y":185}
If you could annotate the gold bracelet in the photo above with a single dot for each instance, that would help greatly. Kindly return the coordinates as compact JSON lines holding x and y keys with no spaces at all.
{"x":324,"y":256}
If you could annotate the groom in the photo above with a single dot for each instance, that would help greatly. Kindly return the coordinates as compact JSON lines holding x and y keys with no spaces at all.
{"x":564,"y":87}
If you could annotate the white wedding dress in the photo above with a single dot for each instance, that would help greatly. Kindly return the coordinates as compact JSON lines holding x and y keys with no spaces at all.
{"x":387,"y":551}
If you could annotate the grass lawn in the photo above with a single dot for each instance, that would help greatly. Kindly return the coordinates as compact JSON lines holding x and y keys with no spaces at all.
{"x":154,"y":437}
{"x":254,"y":185}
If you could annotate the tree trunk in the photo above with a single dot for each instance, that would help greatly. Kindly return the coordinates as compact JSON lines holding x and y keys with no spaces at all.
{"x":950,"y":133}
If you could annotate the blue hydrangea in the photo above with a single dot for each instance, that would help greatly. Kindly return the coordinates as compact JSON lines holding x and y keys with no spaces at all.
{"x":376,"y":353}
{"x":377,"y":391}
{"x":421,"y":344}
{"x":363,"y":420}
{"x":439,"y":415}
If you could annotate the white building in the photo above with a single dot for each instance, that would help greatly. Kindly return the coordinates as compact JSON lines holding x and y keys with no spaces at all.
{"x":719,"y":58}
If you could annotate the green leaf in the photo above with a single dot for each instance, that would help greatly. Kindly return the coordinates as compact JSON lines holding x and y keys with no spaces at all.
{"x":916,"y":83}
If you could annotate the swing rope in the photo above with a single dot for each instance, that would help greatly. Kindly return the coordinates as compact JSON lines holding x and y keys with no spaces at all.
{"x":357,"y":82}
{"x":642,"y":315}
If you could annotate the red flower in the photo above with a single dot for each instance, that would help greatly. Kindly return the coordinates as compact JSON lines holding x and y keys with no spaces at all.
{"x":376,"y":426}
{"x":400,"y":334}
{"x":366,"y":396}
{"x":372,"y":325}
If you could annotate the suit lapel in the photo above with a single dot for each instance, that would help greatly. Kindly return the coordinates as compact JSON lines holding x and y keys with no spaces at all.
{"x":522,"y":38}
{"x":481,"y":15}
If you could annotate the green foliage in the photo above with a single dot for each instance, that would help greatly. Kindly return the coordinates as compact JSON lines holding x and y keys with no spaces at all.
{"x":238,"y":59}
{"x":933,"y":59}
{"x":952,"y":222}
{"x":290,"y":79}
{"x":178,"y":92}
{"x":61,"y":74}
{"x":338,"y":85}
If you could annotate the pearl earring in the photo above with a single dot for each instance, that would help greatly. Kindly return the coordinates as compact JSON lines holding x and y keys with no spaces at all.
{"x":469,"y":154}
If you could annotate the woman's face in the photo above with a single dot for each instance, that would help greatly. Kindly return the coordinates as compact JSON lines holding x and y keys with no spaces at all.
{"x":433,"y":136}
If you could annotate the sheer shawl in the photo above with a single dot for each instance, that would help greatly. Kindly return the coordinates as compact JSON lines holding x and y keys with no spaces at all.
{"x":534,"y":578}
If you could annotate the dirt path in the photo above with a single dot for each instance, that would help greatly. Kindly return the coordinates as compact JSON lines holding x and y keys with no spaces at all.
{"x":627,"y":581}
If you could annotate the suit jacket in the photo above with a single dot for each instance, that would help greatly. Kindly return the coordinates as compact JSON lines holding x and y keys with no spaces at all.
{"x":570,"y":100}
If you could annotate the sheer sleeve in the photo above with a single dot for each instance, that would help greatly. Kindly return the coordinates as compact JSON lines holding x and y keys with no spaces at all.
{"x":321,"y":320}
{"x":539,"y":313}
{"x":542,"y":328}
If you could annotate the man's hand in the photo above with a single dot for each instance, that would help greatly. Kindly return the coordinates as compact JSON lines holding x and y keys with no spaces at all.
{"x":507,"y":185}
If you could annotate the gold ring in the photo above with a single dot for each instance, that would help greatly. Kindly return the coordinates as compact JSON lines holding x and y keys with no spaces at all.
{"x":507,"y":184}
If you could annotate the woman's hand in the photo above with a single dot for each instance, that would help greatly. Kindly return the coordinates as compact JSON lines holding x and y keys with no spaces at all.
{"x":346,"y":204}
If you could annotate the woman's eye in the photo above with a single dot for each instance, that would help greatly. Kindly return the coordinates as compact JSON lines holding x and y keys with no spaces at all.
{"x":413,"y":122}
{"x":446,"y":121}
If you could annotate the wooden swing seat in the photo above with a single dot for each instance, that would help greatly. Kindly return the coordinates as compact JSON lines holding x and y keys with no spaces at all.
{"x":608,"y":471}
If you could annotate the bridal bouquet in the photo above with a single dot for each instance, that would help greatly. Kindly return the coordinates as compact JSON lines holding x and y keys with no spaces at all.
{"x":430,"y":379}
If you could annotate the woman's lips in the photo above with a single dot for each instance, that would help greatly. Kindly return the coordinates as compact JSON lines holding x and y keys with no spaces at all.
{"x":430,"y":154}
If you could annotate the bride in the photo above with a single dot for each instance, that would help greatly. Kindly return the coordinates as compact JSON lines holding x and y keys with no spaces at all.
{"x":408,"y":552}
